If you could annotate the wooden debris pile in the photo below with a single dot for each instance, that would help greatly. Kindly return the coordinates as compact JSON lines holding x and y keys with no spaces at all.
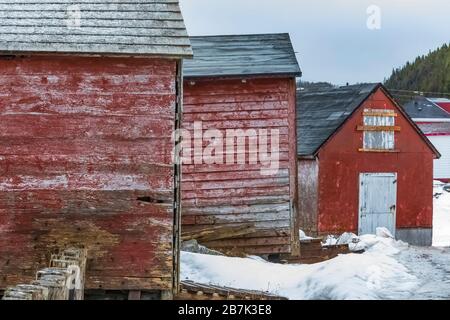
{"x":195,"y":291}
{"x":312,"y":251}
{"x":62,"y":280}
{"x":212,"y":235}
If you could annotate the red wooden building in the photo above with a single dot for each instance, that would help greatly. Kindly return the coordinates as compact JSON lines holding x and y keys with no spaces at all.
{"x":362,"y":164}
{"x":247,"y":83}
{"x":89,"y":99}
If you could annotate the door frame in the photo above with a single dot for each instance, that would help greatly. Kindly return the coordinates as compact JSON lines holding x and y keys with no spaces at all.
{"x":379,"y":174}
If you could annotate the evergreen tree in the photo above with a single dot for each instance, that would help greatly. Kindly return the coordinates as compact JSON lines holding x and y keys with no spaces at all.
{"x":430,"y":73}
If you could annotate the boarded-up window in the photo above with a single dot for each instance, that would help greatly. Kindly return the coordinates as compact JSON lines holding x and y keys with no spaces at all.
{"x":379,"y":129}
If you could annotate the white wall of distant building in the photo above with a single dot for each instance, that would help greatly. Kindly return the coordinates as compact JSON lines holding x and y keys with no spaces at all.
{"x":442,"y":165}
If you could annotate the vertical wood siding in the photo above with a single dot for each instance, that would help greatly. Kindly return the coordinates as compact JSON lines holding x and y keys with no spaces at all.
{"x":308,"y":174}
{"x":233,"y":195}
{"x":377,"y":202}
{"x":341,"y":163}
{"x":85,"y":159}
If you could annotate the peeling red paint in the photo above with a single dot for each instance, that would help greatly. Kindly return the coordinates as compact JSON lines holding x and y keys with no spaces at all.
{"x":81,"y":140}
{"x":340,"y":164}
{"x":236,"y":194}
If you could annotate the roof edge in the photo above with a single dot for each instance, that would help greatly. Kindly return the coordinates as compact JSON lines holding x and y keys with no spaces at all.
{"x":379,"y":85}
{"x":437,"y":154}
{"x":95,"y":54}
{"x":374,"y":89}
{"x":249,"y":75}
{"x":240,"y":35}
{"x":295,"y":72}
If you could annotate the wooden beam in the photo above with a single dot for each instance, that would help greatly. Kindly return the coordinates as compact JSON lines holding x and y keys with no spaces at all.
{"x":379,"y":114}
{"x":378,"y":128}
{"x":379,"y":150}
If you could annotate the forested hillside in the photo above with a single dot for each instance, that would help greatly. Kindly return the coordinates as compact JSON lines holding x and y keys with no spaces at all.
{"x":428,"y":73}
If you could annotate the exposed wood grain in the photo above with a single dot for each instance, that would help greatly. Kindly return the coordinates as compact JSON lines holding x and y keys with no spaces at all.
{"x":196,"y":291}
{"x":217,"y":196}
{"x":85,"y":161}
{"x":378,"y":128}
{"x":379,"y":150}
{"x":76,"y":27}
{"x":308,"y":181}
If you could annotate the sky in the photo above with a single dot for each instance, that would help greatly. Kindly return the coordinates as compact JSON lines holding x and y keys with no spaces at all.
{"x":332,"y":38}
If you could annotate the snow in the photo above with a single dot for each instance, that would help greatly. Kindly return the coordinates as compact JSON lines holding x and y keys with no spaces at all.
{"x":441,"y":223}
{"x":346,"y":238}
{"x":303,"y":235}
{"x":384,"y":233}
{"x":354,"y":276}
{"x":388,"y":269}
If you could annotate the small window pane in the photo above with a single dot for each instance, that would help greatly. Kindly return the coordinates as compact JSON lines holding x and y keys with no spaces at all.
{"x":379,"y":140}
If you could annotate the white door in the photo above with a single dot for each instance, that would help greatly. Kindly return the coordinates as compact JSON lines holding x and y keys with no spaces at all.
{"x":377,"y":202}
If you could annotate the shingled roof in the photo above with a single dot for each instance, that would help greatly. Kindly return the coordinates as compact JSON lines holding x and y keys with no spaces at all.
{"x":131,"y":27}
{"x":320,"y":113}
{"x":423,"y":108}
{"x":242,"y":55}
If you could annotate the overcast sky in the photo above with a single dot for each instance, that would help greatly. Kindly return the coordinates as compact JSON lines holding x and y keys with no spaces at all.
{"x":331,"y":36}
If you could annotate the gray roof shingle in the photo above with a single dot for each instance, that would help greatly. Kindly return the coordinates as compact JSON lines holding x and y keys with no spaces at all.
{"x":242,"y":55}
{"x":321,"y":113}
{"x":126,"y":27}
{"x":422,"y":108}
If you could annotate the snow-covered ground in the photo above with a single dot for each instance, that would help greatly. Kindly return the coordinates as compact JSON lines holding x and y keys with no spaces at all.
{"x":441,"y":223}
{"x":389,"y":269}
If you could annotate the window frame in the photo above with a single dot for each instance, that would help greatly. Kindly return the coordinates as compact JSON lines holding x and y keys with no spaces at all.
{"x":379,"y":128}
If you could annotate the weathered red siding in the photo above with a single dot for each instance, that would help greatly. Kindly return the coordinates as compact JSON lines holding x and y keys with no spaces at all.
{"x":231,"y":195}
{"x":340,"y":164}
{"x":81,"y":139}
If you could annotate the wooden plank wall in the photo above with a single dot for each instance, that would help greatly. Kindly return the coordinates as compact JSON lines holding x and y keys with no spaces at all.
{"x":308,"y":189}
{"x":85,"y":160}
{"x":341,"y":163}
{"x":234,"y":195}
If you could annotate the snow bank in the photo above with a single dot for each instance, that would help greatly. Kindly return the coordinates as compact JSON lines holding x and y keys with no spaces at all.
{"x":441,"y":217}
{"x":346,"y":238}
{"x":376,"y":274}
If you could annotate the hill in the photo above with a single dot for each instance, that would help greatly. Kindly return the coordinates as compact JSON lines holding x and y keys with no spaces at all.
{"x":428,"y":73}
